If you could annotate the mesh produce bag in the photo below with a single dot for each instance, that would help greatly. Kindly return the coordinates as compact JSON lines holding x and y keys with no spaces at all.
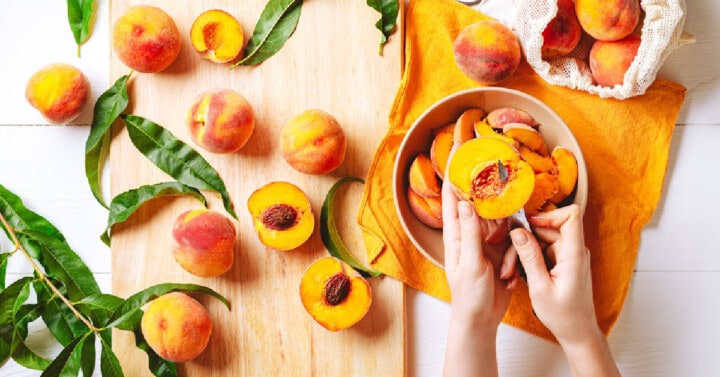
{"x":661,"y":32}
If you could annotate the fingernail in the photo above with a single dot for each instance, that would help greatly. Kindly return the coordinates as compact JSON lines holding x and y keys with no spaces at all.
{"x":504,"y":271}
{"x":464,"y":210}
{"x":518,"y":238}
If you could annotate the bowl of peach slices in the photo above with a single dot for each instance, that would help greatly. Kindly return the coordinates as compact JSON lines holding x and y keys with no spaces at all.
{"x":513,"y":152}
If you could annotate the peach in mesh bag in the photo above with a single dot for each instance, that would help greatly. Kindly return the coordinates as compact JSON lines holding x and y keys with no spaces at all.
{"x":661,"y":32}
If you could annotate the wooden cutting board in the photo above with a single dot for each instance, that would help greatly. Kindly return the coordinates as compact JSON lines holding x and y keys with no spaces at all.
{"x":331,"y":62}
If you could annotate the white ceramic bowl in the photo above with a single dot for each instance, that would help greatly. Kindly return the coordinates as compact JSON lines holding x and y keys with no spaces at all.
{"x":419,"y":138}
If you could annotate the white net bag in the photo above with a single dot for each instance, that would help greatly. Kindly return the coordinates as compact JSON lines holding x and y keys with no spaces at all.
{"x":661,"y":32}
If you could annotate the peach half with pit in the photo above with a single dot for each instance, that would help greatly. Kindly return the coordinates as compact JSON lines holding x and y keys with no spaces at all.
{"x":488,"y":173}
{"x":282,"y":215}
{"x":217,"y":36}
{"x":58,"y":91}
{"x":146,"y":39}
{"x":334,"y":294}
{"x":220,"y":121}
{"x":204,"y":242}
{"x":177,"y":327}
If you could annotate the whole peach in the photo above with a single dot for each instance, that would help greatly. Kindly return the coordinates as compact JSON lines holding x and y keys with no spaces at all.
{"x":221,"y":121}
{"x":59,"y":91}
{"x":610,"y":60}
{"x":562,"y":33}
{"x":487,"y":52}
{"x":203,"y":242}
{"x":608,"y":20}
{"x":176,"y":327}
{"x":313,"y":142}
{"x":146,"y":39}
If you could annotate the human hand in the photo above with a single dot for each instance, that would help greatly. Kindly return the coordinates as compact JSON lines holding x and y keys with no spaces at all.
{"x":561,"y":297}
{"x":474,"y":255}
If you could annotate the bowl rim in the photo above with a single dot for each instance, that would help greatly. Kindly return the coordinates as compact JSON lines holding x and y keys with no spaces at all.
{"x":396,"y":165}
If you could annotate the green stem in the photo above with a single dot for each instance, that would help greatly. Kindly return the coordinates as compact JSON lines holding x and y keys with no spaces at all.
{"x":42,"y":275}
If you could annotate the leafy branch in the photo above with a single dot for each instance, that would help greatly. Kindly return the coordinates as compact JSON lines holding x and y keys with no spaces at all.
{"x":69,"y":301}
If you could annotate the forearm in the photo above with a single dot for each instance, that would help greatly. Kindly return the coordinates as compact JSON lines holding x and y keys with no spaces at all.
{"x":591,"y":357}
{"x":470,"y":351}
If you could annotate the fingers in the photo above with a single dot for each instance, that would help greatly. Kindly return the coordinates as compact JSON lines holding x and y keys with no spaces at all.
{"x":472,"y":236}
{"x":509,"y":263}
{"x":531,"y":257}
{"x":451,"y":227}
{"x":568,"y":220}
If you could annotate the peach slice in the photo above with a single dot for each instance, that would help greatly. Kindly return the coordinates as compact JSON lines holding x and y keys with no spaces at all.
{"x":567,"y":173}
{"x":427,"y":210}
{"x":482,"y":129}
{"x":464,"y":126}
{"x":217,"y":36}
{"x":489,"y":173}
{"x":334,"y":294}
{"x":422,"y":177}
{"x":440,"y":152}
{"x":282,"y":215}
{"x":527,"y":136}
{"x":539,"y":163}
{"x":498,"y":118}
{"x":546,"y":185}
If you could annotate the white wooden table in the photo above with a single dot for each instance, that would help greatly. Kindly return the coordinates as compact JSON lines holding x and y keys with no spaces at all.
{"x":669,"y":325}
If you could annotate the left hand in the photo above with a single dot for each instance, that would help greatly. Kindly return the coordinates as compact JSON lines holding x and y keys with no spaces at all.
{"x":473,"y":266}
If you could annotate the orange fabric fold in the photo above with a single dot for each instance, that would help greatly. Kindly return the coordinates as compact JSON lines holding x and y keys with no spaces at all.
{"x":625,"y":145}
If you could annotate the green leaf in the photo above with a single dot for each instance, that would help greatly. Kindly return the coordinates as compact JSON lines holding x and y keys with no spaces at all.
{"x":132,"y":305}
{"x":64,"y":264}
{"x":388,"y":10}
{"x":22,"y":219}
{"x":12,"y":326}
{"x":3,"y":268}
{"x":157,"y":365}
{"x":59,"y":319}
{"x":277,"y":22}
{"x":107,"y":108}
{"x":176,"y":158}
{"x":79,"y":16}
{"x":329,"y":233}
{"x":26,"y":314}
{"x":109,"y":363}
{"x":11,"y":300}
{"x":87,"y":356}
{"x":125,"y":204}
{"x":101,"y":301}
{"x":67,"y":363}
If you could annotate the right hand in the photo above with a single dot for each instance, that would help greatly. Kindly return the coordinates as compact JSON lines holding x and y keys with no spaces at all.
{"x":561,"y":297}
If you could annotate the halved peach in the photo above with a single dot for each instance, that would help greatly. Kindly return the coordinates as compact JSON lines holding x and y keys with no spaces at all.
{"x":464,"y":126}
{"x":498,"y":118}
{"x":217,"y":36}
{"x":546,"y":185}
{"x":334,"y":294}
{"x":540,"y":164}
{"x":427,"y":210}
{"x":422,"y":177}
{"x":282,"y":215}
{"x":489,"y":173}
{"x":527,"y":136}
{"x":567,"y":173}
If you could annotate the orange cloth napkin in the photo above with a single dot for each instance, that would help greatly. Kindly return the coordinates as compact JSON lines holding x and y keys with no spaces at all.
{"x":625,"y":145}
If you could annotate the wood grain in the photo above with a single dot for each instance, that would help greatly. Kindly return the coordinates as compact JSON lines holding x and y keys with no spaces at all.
{"x":331,"y":63}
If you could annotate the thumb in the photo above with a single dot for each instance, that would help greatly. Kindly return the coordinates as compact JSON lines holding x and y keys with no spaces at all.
{"x":530,"y":256}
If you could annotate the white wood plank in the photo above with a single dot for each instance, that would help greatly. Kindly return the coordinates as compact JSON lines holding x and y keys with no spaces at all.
{"x":36,"y":33}
{"x":667,"y":328}
{"x":680,"y":235}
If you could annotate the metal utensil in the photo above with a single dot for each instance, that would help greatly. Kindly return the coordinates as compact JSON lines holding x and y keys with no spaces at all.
{"x":470,"y":2}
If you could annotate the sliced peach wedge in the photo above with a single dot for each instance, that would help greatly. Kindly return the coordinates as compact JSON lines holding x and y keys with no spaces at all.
{"x":490,"y":174}
{"x":567,"y":173}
